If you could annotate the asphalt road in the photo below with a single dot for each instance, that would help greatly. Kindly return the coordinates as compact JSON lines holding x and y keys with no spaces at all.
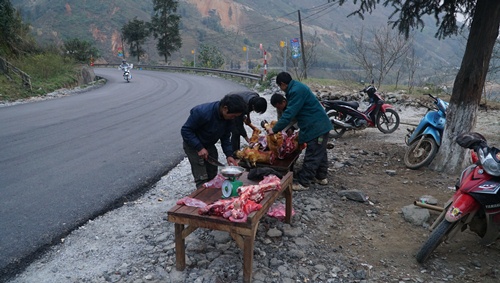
{"x":67,"y":160}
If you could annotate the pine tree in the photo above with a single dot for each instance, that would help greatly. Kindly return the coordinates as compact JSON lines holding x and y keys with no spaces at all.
{"x":165,"y":27}
{"x":135,"y":33}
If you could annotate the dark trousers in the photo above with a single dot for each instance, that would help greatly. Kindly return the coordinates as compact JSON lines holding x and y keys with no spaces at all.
{"x":236,"y":133}
{"x":202,"y":170}
{"x":315,"y":164}
{"x":235,"y":140}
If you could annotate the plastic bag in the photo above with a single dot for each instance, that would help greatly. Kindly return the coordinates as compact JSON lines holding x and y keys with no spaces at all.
{"x":215,"y":183}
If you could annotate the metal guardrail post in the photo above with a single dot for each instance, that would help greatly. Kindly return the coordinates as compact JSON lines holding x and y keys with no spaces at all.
{"x":7,"y":67}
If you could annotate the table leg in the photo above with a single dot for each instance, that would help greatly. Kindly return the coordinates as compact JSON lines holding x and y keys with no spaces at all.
{"x":288,"y":204}
{"x":180,"y":248}
{"x":248,"y":256}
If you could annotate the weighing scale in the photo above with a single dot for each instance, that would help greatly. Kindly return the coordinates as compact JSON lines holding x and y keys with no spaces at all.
{"x":231,"y":184}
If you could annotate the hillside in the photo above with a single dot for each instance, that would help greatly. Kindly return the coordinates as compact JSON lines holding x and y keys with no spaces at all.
{"x":230,"y":25}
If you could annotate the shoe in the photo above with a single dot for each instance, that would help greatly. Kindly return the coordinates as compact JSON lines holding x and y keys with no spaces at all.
{"x":321,"y":181}
{"x":299,"y":187}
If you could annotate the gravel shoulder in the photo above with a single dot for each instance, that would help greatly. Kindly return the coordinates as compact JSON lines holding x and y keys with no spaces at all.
{"x":330,"y":239}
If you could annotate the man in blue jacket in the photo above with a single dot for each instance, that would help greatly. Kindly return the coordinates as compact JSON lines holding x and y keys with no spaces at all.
{"x":314,"y":127}
{"x":206,"y":125}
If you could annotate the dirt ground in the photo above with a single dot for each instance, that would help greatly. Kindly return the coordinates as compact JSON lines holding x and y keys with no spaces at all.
{"x":330,"y":239}
{"x":377,"y":233}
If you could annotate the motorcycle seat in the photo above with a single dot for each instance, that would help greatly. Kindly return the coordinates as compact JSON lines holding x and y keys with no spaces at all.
{"x":333,"y":103}
{"x":352,"y":104}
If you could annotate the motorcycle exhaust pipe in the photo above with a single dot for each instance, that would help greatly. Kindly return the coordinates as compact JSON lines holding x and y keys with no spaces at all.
{"x":428,"y":206}
{"x":342,"y":124}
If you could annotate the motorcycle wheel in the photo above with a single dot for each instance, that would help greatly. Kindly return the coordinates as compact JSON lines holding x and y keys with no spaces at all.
{"x":337,"y":131}
{"x":388,"y":122}
{"x":438,"y":235}
{"x":421,"y":156}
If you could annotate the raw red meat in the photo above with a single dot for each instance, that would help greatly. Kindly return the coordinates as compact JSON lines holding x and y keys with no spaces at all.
{"x":191,"y":202}
{"x":217,"y":208}
{"x":237,"y":209}
{"x":278,"y":210}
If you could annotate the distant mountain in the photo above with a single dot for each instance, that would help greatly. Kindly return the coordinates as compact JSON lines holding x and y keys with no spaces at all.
{"x":230,"y":25}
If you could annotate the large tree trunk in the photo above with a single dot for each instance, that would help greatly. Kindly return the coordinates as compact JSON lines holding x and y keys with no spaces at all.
{"x":468,"y":85}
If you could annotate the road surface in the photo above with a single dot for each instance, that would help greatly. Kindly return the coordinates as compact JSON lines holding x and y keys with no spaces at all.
{"x":65,"y":161}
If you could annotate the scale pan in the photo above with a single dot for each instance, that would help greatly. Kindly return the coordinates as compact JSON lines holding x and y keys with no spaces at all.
{"x":232,"y":171}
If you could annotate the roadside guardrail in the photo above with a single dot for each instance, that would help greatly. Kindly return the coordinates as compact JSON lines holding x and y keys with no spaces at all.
{"x":243,"y":75}
{"x":7,"y":68}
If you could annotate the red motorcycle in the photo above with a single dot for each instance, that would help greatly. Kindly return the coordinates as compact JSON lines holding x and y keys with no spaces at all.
{"x":345,"y":115}
{"x":476,"y":202}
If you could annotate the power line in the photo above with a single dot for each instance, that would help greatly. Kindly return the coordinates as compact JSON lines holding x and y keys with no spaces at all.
{"x":264,"y":23}
{"x":324,"y":12}
{"x":321,"y":9}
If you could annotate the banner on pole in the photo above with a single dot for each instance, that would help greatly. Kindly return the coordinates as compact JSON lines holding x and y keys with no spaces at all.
{"x":295,"y":46}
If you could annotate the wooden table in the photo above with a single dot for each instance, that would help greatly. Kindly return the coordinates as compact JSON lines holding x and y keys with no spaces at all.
{"x":242,"y":233}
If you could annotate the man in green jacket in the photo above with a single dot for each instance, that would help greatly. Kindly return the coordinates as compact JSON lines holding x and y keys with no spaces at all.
{"x":314,"y":127}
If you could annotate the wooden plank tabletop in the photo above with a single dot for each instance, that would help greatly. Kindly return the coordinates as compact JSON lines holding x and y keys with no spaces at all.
{"x":186,"y":214}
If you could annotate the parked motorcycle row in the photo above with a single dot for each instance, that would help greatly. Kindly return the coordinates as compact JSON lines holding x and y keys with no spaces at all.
{"x":476,"y":202}
{"x":346,"y":116}
{"x":423,"y":141}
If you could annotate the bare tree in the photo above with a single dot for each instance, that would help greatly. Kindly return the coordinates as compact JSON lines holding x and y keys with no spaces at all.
{"x":379,"y":55}
{"x":360,"y":53}
{"x":411,"y":64}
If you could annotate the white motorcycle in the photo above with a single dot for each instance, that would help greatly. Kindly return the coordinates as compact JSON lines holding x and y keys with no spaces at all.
{"x":126,"y":72}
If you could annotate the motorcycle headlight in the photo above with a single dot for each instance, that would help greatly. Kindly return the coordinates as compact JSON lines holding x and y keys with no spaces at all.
{"x":489,"y":162}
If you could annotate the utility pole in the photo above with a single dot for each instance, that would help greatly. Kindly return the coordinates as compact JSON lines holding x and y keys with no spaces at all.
{"x":285,"y":53}
{"x":302,"y":44}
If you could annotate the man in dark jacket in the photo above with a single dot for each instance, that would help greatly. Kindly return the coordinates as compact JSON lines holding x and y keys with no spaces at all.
{"x":254,"y":103}
{"x":314,"y":127}
{"x":206,"y":125}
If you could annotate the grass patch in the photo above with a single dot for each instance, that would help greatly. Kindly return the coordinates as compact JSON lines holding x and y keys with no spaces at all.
{"x":48,"y":72}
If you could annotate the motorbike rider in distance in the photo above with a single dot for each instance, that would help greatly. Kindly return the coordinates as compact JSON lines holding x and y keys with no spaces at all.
{"x":124,"y":66}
